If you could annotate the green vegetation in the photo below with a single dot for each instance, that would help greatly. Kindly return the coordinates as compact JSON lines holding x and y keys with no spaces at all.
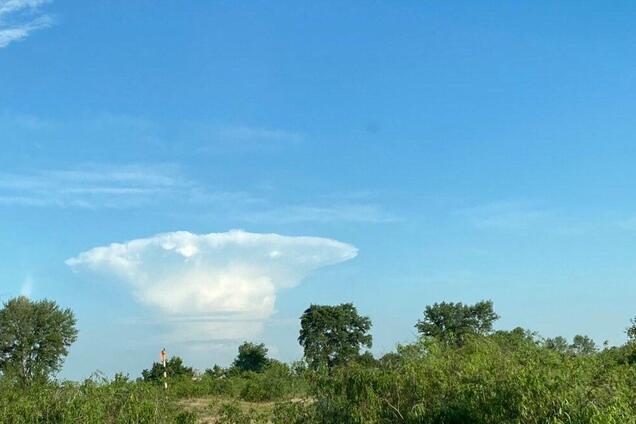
{"x":251,"y":357}
{"x":174,"y":369}
{"x":459,"y":370}
{"x":333,"y":335}
{"x":454,"y":322}
{"x":34,"y":339}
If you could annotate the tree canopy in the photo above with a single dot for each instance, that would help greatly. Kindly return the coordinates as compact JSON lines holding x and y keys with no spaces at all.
{"x":34,"y":338}
{"x":333,"y":335}
{"x":251,"y":357}
{"x":174,"y":369}
{"x":453,"y":322}
{"x":581,"y":345}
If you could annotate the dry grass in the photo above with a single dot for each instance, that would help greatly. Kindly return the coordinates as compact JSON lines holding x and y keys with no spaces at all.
{"x":208,"y":408}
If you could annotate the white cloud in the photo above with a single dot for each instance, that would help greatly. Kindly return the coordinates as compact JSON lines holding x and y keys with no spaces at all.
{"x":93,"y":186}
{"x":213,"y":286}
{"x":131,"y":186}
{"x":19,"y":18}
{"x":505,"y":215}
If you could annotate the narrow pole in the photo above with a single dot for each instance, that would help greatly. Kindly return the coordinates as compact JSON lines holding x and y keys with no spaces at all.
{"x":164,"y":358}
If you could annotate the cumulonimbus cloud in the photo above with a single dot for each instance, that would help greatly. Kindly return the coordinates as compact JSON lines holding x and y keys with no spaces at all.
{"x":226,"y":282}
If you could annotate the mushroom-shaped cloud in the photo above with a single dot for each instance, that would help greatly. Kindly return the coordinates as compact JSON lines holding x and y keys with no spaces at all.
{"x":218,"y":278}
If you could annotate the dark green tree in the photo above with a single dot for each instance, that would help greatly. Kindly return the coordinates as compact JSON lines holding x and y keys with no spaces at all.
{"x":514,"y":339}
{"x":34,"y":339}
{"x":558,"y":344}
{"x":631,"y":331}
{"x":216,"y":371}
{"x":174,"y":369}
{"x":333,"y":335}
{"x":453,"y":322}
{"x":251,"y":357}
{"x":580,"y":346}
{"x":583,"y":346}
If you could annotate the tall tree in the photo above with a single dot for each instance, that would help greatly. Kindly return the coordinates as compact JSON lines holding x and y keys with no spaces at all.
{"x":583,"y":345}
{"x":333,"y":335}
{"x":34,"y":338}
{"x":453,"y":322}
{"x":251,"y":357}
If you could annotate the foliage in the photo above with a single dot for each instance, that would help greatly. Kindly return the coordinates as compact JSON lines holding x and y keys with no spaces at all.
{"x":581,"y":345}
{"x":34,"y":339}
{"x":480,"y":382}
{"x":475,"y":376}
{"x":333,"y":335}
{"x":275,"y":383}
{"x":251,"y":357}
{"x":453,"y":322}
{"x":231,"y":413}
{"x":294,"y":412}
{"x":174,"y":369}
{"x":631,"y":330}
{"x":215,"y":372}
{"x":558,"y":344}
{"x":95,"y":401}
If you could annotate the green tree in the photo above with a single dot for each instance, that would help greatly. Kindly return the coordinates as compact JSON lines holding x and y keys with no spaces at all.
{"x":251,"y":357}
{"x":558,"y":344}
{"x":631,"y":331}
{"x":34,"y":339}
{"x":333,"y":335}
{"x":583,"y":346}
{"x":174,"y":369}
{"x":453,"y":322}
{"x":215,"y":372}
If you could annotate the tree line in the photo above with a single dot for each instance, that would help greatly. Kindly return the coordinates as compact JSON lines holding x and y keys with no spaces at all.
{"x":459,"y":370}
{"x":35,"y":337}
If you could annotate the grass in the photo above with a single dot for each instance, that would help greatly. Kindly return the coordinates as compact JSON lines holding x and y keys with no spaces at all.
{"x":211,"y":409}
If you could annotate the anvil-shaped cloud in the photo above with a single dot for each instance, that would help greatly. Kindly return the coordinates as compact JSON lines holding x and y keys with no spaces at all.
{"x":215,"y":278}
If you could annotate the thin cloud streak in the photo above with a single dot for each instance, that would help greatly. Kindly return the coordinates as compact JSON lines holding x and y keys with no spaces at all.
{"x":258,"y":134}
{"x":361,"y":213}
{"x":92,"y":186}
{"x":135,"y":186}
{"x":505,"y":215}
{"x":19,"y":18}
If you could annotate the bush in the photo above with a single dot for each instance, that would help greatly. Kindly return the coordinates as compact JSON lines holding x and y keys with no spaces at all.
{"x":480,"y":382}
{"x":93,"y":401}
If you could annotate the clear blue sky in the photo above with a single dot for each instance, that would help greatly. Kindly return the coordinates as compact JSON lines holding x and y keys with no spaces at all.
{"x":467,"y":150}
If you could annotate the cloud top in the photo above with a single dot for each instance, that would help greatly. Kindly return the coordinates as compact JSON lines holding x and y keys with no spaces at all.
{"x":229,"y":277}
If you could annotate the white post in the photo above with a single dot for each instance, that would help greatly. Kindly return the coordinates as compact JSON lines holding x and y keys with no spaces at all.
{"x":164,"y":357}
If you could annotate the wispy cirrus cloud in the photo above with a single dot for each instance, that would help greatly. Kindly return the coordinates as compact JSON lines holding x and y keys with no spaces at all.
{"x":216,"y":286}
{"x":19,"y":18}
{"x":348,"y":212}
{"x":505,"y":215}
{"x":244,"y":133}
{"x":95,"y":186}
{"x":92,"y":186}
{"x":208,"y":137}
{"x":140,"y":136}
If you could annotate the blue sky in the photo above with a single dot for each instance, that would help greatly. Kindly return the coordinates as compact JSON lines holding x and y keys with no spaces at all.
{"x":467,"y":151}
